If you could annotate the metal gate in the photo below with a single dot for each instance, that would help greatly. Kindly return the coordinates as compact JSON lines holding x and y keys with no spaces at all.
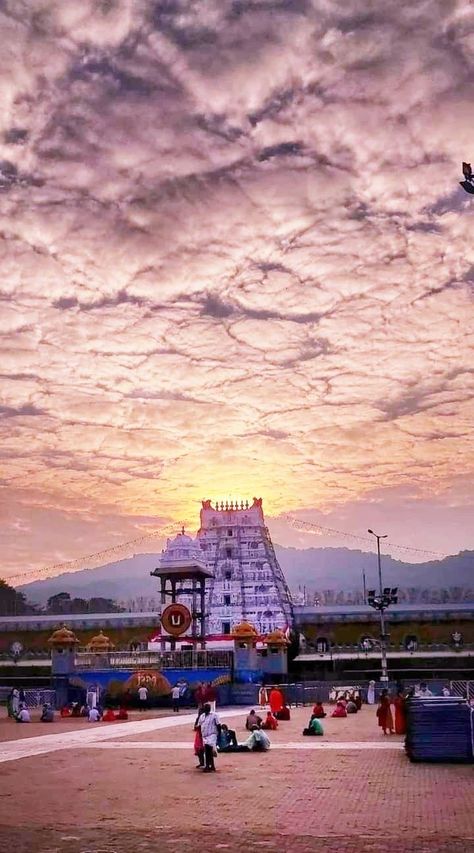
{"x":462,"y":688}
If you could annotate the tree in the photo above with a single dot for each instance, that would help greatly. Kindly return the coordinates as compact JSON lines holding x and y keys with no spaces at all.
{"x":13,"y":603}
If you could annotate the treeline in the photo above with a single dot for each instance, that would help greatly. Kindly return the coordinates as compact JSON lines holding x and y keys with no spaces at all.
{"x":13,"y":603}
{"x":409,"y":595}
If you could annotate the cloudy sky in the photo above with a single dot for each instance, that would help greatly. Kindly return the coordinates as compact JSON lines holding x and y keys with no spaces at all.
{"x":235,"y":261}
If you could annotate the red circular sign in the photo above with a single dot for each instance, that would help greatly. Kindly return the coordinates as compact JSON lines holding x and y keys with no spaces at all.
{"x":175,"y":619}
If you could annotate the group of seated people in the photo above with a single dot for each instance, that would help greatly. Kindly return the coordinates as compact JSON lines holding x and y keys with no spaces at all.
{"x":344,"y":706}
{"x":350,"y":703}
{"x":257,"y":741}
{"x":255,"y":721}
{"x":95,"y":714}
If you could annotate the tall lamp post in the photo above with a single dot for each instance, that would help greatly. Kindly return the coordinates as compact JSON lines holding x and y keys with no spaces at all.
{"x":380,"y":602}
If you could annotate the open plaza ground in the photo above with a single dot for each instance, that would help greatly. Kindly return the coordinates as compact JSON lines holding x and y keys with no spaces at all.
{"x":99,"y":788}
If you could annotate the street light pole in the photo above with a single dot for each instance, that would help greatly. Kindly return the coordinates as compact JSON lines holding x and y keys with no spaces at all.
{"x":381,"y":608}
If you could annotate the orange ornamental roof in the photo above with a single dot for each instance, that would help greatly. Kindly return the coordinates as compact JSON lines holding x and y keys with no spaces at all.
{"x":245,"y":630}
{"x":63,"y":637}
{"x":275,"y":638}
{"x":100,"y":643}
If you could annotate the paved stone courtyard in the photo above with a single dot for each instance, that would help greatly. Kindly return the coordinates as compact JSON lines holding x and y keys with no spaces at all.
{"x":101,"y":788}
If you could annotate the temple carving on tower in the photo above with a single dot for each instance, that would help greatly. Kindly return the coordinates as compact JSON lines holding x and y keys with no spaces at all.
{"x":246,"y":582}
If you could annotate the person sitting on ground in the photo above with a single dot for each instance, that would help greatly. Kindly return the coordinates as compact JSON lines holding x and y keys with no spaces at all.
{"x":258,"y":741}
{"x":270,"y":722}
{"x":318,"y":710}
{"x":122,"y":714}
{"x":226,"y":740}
{"x":23,"y":715}
{"x":47,"y":715}
{"x":84,"y":711}
{"x":253,"y":720}
{"x":75,"y":709}
{"x":284,"y":713}
{"x":109,"y":716}
{"x":314,"y":727}
{"x":351,"y":707}
{"x":340,"y":709}
{"x":65,"y":711}
{"x":358,"y":700}
{"x":94,"y":715}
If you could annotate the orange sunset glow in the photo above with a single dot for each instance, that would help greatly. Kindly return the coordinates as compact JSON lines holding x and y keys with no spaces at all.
{"x":236,"y":261}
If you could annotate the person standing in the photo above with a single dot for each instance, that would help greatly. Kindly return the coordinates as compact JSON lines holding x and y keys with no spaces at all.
{"x":210,"y":728}
{"x":142,"y":697}
{"x":400,"y":713}
{"x":210,"y":696}
{"x":384,"y":713}
{"x":371,"y":693}
{"x":275,"y":700}
{"x":175,"y":694}
{"x":15,"y":701}
{"x":198,"y":742}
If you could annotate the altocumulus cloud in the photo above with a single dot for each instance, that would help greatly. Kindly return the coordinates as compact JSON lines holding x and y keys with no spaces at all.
{"x":233,"y":256}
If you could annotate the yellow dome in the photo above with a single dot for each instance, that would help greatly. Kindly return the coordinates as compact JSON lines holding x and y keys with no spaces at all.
{"x":245,"y":630}
{"x":100,"y":643}
{"x":63,"y":637}
{"x":276,"y":638}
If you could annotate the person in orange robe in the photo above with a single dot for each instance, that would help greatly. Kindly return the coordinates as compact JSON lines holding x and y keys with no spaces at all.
{"x":109,"y":716}
{"x":270,"y":722}
{"x":318,"y":710}
{"x":65,"y":712}
{"x":275,"y":700}
{"x":340,"y":709}
{"x":384,"y":713}
{"x":400,"y":713}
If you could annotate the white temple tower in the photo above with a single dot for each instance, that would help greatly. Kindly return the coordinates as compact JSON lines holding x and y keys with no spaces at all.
{"x":247,"y":583}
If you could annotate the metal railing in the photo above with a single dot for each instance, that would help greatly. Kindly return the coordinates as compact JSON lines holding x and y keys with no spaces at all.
{"x":336,"y":651}
{"x":197,"y":659}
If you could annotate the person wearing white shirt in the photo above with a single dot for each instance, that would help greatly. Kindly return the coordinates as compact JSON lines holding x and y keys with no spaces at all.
{"x":94,"y":715}
{"x":210,"y":727}
{"x":175,"y":694}
{"x":143,"y":697}
{"x":23,"y":715}
{"x":258,"y":741}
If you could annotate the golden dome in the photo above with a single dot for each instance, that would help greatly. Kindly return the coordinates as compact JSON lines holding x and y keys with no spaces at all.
{"x":245,"y":630}
{"x":100,"y":643}
{"x":276,"y":638}
{"x":63,"y":637}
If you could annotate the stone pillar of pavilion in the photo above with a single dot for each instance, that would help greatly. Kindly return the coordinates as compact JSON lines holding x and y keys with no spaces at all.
{"x":63,"y":644}
{"x":183,"y":574}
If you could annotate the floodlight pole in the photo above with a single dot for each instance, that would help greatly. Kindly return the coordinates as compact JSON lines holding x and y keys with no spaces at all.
{"x":383,"y":648}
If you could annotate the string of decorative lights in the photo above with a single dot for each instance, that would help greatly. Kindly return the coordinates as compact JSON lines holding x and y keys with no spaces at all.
{"x":315,"y":527}
{"x":93,"y":561}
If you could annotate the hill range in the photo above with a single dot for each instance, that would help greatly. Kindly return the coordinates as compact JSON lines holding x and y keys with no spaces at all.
{"x":314,"y":568}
